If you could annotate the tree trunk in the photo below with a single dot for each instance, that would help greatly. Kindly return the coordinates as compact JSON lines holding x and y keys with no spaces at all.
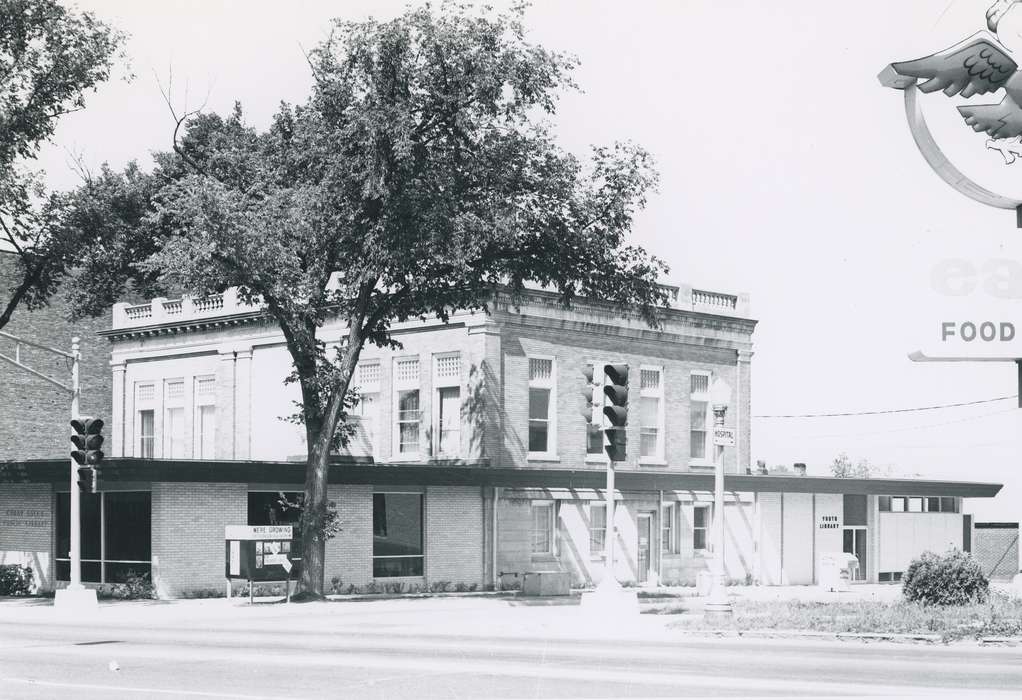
{"x":314,"y":510}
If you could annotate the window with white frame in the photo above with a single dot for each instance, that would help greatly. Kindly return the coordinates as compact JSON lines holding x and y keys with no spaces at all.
{"x":205,"y":418}
{"x":367,"y":411}
{"x":174,"y":418}
{"x":651,"y":413}
{"x":145,"y":420}
{"x":700,"y":524}
{"x":543,"y":527}
{"x":594,"y":430}
{"x":597,"y":527}
{"x":667,"y":538}
{"x":408,"y":414}
{"x":447,"y":413}
{"x":542,"y":412}
{"x":699,"y":416}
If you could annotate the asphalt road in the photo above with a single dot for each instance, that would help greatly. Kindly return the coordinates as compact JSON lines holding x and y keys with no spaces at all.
{"x":460,"y":648}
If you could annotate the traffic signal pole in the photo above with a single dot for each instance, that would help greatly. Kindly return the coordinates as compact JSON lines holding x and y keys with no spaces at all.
{"x":76,"y":496}
{"x":75,"y":595}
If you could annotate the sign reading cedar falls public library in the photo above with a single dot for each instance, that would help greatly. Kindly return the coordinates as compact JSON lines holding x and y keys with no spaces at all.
{"x":260,"y":552}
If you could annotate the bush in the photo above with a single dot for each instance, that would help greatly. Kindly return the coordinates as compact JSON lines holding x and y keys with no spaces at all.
{"x":133,"y":587}
{"x":15,"y":579}
{"x":953,"y":578}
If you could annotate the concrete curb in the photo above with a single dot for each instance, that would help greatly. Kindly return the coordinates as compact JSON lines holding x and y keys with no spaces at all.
{"x":865,"y":637}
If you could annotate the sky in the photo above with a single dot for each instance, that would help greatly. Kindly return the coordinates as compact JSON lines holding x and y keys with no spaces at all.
{"x":787,"y":172}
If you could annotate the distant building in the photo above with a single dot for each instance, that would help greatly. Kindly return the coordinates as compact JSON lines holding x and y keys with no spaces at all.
{"x":471,"y":462}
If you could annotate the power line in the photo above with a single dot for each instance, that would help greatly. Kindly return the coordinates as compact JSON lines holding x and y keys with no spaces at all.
{"x":903,"y":429}
{"x":889,"y":411}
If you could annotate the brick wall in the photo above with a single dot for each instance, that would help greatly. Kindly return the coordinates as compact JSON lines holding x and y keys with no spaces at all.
{"x":34,"y":413}
{"x":349,"y":555}
{"x":454,"y":534}
{"x":995,"y":546}
{"x":188,"y":521}
{"x":27,"y":529}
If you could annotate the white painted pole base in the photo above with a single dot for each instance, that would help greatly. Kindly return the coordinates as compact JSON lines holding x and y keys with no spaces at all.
{"x":609,"y":598}
{"x":718,"y":604}
{"x":76,"y":599}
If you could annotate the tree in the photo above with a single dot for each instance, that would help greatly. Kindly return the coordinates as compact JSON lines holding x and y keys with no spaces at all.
{"x":416,"y":180}
{"x":843,"y":468}
{"x":50,"y":57}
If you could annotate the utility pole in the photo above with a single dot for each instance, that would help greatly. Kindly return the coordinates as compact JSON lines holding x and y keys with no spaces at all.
{"x":75,"y":596}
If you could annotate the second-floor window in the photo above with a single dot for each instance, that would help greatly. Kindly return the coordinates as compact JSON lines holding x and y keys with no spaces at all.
{"x":145,"y":420}
{"x":409,"y":416}
{"x":699,"y":416}
{"x":446,"y":383}
{"x":651,"y":417}
{"x":205,"y":418}
{"x":367,"y":411}
{"x":542,"y":421}
{"x":174,"y":418}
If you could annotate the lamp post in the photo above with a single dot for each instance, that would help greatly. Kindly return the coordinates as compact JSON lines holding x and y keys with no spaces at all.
{"x":718,"y":605}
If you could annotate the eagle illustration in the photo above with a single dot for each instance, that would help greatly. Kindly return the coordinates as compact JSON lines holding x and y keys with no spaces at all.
{"x":985,"y":62}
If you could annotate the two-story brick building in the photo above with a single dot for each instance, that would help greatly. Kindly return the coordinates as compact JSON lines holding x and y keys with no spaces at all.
{"x":471,"y":462}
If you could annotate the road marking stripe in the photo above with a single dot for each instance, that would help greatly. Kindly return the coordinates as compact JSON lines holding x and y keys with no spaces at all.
{"x":136,"y":689}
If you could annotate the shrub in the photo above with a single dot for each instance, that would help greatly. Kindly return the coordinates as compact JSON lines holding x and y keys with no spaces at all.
{"x":15,"y":579}
{"x":953,"y":578}
{"x":133,"y":587}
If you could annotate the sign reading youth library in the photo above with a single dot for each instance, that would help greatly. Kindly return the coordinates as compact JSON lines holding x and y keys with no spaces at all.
{"x":986,"y":61}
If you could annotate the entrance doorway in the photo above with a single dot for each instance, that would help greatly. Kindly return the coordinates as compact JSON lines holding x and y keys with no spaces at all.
{"x":855,"y":543}
{"x":643,"y":559}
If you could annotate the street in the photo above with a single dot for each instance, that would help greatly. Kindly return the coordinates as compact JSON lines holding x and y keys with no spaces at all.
{"x":451,"y":648}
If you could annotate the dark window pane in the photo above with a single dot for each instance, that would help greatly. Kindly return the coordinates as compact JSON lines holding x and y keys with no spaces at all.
{"x":90,"y":526}
{"x":537,"y":436}
{"x":64,"y":529}
{"x":699,"y":539}
{"x":948,"y":505}
{"x":699,"y":517}
{"x":91,"y":572}
{"x":63,"y":572}
{"x":854,"y":509}
{"x":884,"y":504}
{"x":128,"y":526}
{"x":933,"y":505}
{"x":539,"y":403}
{"x":849,"y":544}
{"x":119,"y":573}
{"x":397,"y":566}
{"x":402,"y":527}
{"x":271,"y":508}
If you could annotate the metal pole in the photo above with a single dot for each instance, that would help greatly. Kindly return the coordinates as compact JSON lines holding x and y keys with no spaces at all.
{"x":609,"y":573}
{"x":76,"y":525}
{"x":718,"y":603}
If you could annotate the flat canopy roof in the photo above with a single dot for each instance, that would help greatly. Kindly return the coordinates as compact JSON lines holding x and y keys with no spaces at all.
{"x":123,"y":470}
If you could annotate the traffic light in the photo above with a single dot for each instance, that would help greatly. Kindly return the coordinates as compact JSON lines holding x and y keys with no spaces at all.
{"x":87,"y":440}
{"x":615,"y":411}
{"x":590,"y":409}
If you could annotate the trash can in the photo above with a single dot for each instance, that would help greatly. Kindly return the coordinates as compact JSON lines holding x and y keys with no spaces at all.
{"x":837,"y":570}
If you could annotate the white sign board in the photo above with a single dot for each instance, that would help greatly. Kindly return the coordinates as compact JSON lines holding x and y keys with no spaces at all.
{"x":724,"y":437}
{"x":258,"y":532}
{"x":973,"y":310}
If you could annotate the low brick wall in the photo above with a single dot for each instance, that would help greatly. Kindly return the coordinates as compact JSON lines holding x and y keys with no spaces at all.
{"x":995,"y":546}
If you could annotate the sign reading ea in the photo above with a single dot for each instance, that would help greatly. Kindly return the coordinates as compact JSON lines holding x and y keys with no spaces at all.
{"x":986,"y":62}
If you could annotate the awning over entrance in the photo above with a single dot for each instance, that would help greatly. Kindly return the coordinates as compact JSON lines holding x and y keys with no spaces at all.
{"x":132,"y":470}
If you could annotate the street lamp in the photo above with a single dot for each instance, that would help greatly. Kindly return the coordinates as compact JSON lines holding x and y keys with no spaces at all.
{"x":718,"y":605}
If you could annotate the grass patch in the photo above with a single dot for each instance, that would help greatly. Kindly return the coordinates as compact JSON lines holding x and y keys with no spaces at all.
{"x":1001,"y":616}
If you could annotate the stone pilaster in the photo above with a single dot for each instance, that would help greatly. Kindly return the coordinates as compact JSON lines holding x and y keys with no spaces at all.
{"x":225,"y":421}
{"x":743,"y":417}
{"x":118,"y":417}
{"x":243,"y":403}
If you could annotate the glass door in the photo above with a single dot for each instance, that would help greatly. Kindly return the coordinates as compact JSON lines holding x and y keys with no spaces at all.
{"x":855,"y":543}
{"x":645,"y":528}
